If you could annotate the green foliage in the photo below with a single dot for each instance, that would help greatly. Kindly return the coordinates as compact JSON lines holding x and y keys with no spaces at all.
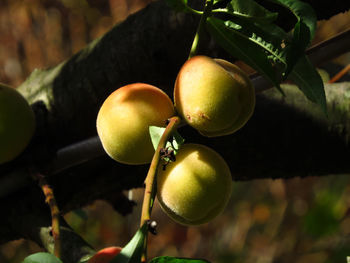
{"x":247,"y":31}
{"x":41,"y":257}
{"x":177,"y":260}
{"x":132,"y":252}
{"x":323,"y":218}
{"x":304,"y":13}
{"x":242,"y":47}
{"x":309,"y":82}
{"x":304,"y":30}
{"x":251,"y":10}
{"x":174,"y":143}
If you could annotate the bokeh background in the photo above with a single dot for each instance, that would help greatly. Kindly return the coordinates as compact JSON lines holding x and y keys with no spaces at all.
{"x":296,"y":220}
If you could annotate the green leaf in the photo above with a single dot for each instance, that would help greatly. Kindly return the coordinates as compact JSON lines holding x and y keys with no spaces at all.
{"x":303,"y":33}
{"x":323,"y":219}
{"x":304,"y":13}
{"x":156,"y":133}
{"x":296,"y":48}
{"x":255,"y":22}
{"x":268,"y":36}
{"x":249,"y":9}
{"x":177,"y":260}
{"x":177,"y":141}
{"x":41,"y":257}
{"x":132,"y":252}
{"x":309,"y":81}
{"x":241,"y":47}
{"x":271,"y":38}
{"x":174,"y":143}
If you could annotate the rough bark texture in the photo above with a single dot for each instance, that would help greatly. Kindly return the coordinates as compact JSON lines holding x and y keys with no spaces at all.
{"x":285,"y":138}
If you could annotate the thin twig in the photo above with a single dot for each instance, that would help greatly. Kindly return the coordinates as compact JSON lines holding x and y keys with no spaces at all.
{"x":149,"y":182}
{"x":151,"y":176}
{"x":55,"y":212}
{"x":340,"y":74}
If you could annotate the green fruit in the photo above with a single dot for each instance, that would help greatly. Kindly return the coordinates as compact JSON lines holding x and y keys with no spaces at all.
{"x":124,"y":119}
{"x":17,"y":123}
{"x":213,"y":96}
{"x":196,"y":187}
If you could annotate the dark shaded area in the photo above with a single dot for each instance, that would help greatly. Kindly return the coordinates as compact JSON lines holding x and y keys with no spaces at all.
{"x":279,"y":142}
{"x":326,"y":9}
{"x":121,"y":57}
{"x":102,"y":178}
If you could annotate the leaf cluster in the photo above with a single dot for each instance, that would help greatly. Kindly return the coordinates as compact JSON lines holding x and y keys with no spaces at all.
{"x":248,"y":31}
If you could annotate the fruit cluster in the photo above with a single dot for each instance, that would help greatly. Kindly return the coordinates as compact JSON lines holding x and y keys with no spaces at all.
{"x":211,"y":95}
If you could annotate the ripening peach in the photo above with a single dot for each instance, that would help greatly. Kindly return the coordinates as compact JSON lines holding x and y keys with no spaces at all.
{"x":124,"y":119}
{"x":213,"y":96}
{"x":196,"y":187}
{"x":17,"y":123}
{"x":105,"y":255}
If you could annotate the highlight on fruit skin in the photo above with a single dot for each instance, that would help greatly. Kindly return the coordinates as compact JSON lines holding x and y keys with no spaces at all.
{"x":124,"y":118}
{"x":196,"y":187}
{"x":213,"y":96}
{"x":17,"y":123}
{"x":105,"y":255}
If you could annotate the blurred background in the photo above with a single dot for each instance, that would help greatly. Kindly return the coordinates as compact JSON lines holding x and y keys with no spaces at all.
{"x":296,"y":220}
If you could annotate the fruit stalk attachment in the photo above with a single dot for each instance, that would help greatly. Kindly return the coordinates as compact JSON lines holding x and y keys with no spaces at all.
{"x":206,"y":13}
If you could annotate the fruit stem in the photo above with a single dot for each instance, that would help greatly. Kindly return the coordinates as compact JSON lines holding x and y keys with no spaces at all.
{"x":150,"y":189}
{"x":206,"y":13}
{"x":55,"y":212}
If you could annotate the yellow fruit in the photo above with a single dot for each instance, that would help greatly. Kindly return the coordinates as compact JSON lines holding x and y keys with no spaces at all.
{"x":196,"y":187}
{"x":213,"y":96}
{"x":124,"y":119}
{"x":17,"y":123}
